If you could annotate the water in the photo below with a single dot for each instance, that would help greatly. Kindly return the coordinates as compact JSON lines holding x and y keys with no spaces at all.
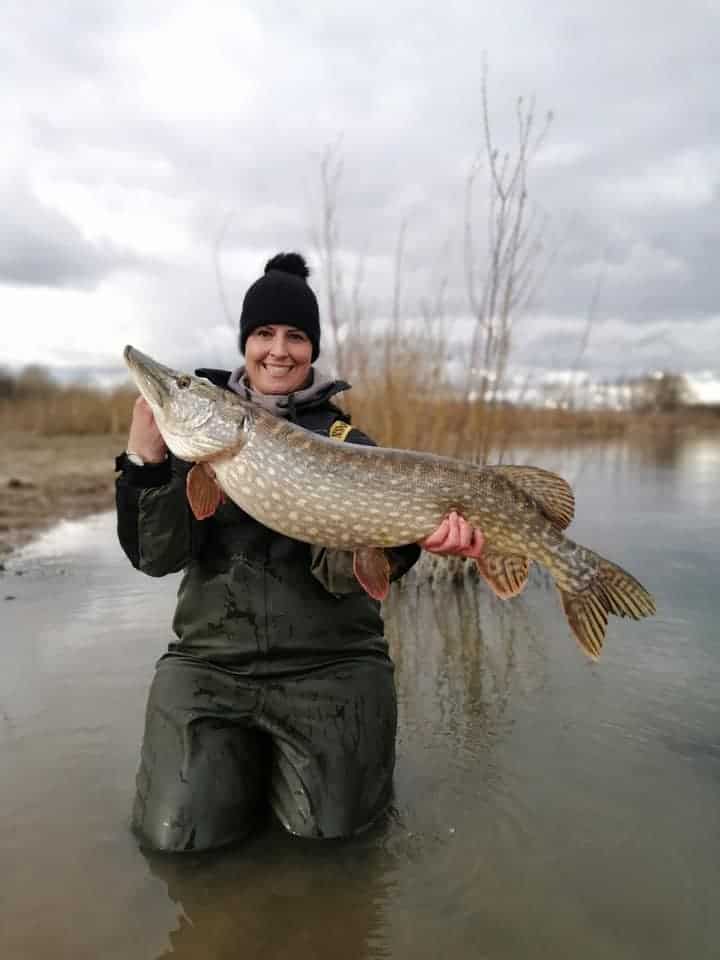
{"x":545,"y":806}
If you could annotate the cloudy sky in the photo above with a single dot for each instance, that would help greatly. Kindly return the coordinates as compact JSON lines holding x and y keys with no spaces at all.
{"x":145,"y":143}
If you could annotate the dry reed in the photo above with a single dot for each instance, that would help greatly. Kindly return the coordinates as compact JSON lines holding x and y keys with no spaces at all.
{"x":53,"y":410}
{"x":406,"y":405}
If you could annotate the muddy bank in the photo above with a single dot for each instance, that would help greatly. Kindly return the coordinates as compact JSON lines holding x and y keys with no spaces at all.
{"x":46,"y":479}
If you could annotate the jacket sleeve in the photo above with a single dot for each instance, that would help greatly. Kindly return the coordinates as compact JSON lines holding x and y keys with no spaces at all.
{"x":334,"y":568}
{"x":154,"y":523}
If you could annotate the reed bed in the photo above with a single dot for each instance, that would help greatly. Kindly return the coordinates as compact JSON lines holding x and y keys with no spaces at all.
{"x":54,"y":410}
{"x":402,"y":408}
{"x":402,"y":397}
{"x":474,"y":431}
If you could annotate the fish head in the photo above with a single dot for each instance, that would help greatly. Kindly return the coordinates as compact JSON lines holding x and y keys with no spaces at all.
{"x":197,"y":420}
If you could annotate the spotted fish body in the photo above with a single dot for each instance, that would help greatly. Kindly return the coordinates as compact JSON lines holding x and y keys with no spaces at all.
{"x":361,"y":498}
{"x":349,"y":496}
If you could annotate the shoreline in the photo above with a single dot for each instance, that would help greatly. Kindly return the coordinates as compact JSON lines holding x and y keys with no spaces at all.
{"x":46,"y":479}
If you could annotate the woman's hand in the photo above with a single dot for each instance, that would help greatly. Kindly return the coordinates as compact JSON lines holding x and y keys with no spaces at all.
{"x":145,"y":439}
{"x":455,"y":537}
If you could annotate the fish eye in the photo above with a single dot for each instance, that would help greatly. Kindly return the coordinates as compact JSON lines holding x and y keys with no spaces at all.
{"x":183,"y":381}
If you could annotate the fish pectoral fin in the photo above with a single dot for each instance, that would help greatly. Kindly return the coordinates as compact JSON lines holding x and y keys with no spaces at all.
{"x":506,"y":573}
{"x":372,"y":570}
{"x":203,"y":493}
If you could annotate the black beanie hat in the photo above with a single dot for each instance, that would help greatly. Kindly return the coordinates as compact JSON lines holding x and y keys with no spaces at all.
{"x":282,"y":295}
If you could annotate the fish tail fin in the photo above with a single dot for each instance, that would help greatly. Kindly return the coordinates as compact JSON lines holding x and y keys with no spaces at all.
{"x":613,"y":590}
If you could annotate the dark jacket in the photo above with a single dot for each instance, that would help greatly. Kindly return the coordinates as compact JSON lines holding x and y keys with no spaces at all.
{"x":250,"y":598}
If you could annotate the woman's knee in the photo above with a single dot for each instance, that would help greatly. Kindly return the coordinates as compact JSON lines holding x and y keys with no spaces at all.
{"x":177,"y":831}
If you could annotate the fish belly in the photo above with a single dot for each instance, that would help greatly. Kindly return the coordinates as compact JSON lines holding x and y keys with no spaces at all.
{"x":336,"y":508}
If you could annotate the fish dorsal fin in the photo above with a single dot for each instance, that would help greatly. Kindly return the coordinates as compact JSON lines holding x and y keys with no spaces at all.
{"x":550,"y":491}
{"x":506,"y":573}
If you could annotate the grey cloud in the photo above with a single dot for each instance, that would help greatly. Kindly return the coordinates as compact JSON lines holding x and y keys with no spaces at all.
{"x":615,"y":349}
{"x":647,"y":267}
{"x":402,"y":83}
{"x":40,"y":247}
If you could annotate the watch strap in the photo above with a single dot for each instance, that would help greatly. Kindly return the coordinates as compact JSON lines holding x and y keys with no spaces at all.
{"x":147,"y":475}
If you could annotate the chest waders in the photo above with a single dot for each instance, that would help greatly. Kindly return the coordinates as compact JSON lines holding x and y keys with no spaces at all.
{"x":278,"y":693}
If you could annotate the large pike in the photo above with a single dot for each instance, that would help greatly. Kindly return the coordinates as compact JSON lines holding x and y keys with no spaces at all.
{"x":363,"y":499}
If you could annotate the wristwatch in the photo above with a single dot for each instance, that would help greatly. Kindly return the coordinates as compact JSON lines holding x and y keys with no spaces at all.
{"x":136,"y":459}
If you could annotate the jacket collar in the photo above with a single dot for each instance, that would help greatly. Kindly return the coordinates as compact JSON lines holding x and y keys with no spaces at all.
{"x":316,"y":394}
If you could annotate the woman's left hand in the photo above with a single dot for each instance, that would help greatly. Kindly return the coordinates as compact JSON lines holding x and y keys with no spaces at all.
{"x":455,"y":537}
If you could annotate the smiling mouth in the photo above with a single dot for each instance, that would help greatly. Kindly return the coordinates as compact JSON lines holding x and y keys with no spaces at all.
{"x":277,"y":368}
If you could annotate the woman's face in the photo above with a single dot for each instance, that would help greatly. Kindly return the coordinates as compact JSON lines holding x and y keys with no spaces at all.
{"x":277,"y":358}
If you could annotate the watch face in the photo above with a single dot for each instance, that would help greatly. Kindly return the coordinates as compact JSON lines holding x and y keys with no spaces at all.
{"x":136,"y":459}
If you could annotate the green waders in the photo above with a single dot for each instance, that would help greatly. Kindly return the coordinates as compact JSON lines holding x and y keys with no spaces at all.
{"x":318,"y":747}
{"x":277,"y":692}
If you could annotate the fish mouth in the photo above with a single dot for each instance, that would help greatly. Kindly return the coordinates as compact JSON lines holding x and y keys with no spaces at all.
{"x":152,"y":378}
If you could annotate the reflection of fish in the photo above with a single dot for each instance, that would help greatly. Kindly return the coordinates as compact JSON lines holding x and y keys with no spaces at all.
{"x":363,"y":498}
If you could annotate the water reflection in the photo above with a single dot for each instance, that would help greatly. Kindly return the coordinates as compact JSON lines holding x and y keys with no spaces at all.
{"x":663,"y":448}
{"x":544,"y":805}
{"x":458,"y":650}
{"x":459,"y":655}
{"x":277,"y":897}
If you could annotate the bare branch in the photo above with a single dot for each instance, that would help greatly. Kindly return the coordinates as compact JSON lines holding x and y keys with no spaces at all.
{"x":218,"y":272}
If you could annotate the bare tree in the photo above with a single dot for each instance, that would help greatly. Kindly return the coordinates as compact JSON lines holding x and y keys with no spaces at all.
{"x":34,"y":380}
{"x":408,"y":361}
{"x":327,"y":242}
{"x":664,"y":393}
{"x":7,"y":382}
{"x":500,"y":285}
{"x":222,"y":293}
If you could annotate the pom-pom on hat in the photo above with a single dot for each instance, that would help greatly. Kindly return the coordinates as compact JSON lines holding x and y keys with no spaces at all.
{"x":282,"y":295}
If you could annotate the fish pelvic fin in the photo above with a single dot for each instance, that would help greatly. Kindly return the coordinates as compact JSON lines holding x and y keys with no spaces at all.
{"x":506,"y":573}
{"x":203,"y":492}
{"x":372,"y":570}
{"x":552,"y":494}
{"x":613,"y":590}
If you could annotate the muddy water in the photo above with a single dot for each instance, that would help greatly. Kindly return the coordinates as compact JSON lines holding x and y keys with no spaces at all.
{"x":545,"y":806}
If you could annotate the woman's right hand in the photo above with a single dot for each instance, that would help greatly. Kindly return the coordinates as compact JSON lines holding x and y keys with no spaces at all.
{"x":145,"y":439}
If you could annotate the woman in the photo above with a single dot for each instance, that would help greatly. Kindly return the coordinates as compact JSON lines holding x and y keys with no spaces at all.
{"x":279,"y":688}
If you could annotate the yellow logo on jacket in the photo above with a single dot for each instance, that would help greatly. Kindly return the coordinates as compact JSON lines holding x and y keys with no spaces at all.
{"x":339,"y":430}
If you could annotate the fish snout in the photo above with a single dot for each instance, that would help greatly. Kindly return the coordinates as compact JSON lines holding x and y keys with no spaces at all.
{"x":151,"y":378}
